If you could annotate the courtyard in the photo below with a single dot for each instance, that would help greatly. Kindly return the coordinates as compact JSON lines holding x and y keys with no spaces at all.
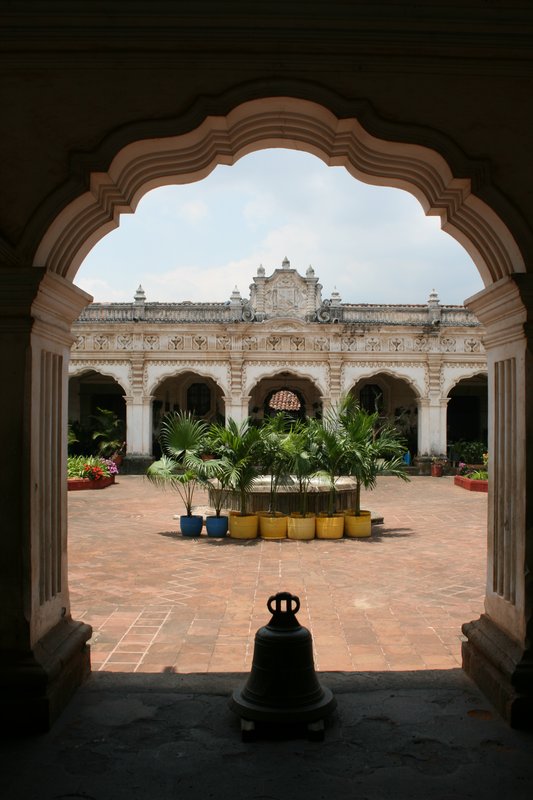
{"x":161,"y":603}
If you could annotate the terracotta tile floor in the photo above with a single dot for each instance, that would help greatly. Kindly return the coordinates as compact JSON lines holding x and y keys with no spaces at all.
{"x":159,"y":602}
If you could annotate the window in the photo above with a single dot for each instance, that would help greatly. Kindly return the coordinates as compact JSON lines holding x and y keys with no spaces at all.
{"x":199,"y":399}
{"x":371,"y":398}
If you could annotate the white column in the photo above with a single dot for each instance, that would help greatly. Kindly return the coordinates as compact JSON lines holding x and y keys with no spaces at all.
{"x":237,"y":408}
{"x":236,"y":403}
{"x":139,"y":425}
{"x":432,"y":426}
{"x":335,"y":362}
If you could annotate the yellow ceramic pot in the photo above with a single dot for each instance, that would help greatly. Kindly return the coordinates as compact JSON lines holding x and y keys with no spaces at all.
{"x":243,"y":526}
{"x":358,"y":527}
{"x":329,"y":527}
{"x":272,"y":527}
{"x":299,"y":527}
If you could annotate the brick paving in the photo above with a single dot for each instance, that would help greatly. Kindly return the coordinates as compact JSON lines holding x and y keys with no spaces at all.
{"x":159,"y":602}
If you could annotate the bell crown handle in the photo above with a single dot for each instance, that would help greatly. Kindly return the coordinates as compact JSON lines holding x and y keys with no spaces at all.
{"x":291,"y":601}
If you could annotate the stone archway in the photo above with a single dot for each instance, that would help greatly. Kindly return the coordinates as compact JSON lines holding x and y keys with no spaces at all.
{"x":304,"y":391}
{"x":468,"y":410}
{"x":498,"y":650}
{"x":88,"y":392}
{"x":186,"y":391}
{"x":395,"y":399}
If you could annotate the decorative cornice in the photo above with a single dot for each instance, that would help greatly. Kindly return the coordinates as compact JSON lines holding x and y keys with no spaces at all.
{"x":383,"y":364}
{"x":502,"y":308}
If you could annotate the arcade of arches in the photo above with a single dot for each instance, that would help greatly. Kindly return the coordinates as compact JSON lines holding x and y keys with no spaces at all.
{"x":231,"y":359}
{"x":431,"y":104}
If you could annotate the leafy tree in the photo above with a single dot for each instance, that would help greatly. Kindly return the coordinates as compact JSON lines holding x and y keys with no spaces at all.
{"x":183,"y":440}
{"x":301,"y":448}
{"x":107,"y":432}
{"x":371,"y":447}
{"x":273,"y":454}
{"x":238,"y":446}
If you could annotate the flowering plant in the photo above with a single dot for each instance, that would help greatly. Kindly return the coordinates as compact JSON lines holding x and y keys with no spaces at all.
{"x":91,"y":467}
{"x":93,"y":472}
{"x":111,"y":466}
{"x":475,"y":474}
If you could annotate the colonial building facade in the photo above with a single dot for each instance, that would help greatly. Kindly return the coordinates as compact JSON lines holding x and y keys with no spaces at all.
{"x":431,"y":98}
{"x":231,"y":359}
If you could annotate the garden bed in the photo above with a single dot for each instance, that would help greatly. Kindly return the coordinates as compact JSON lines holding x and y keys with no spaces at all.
{"x":79,"y":484}
{"x":471,"y":485}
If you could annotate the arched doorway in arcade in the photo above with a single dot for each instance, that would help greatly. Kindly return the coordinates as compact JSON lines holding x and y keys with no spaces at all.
{"x":395,"y":400}
{"x":423,"y":172}
{"x":285,"y":392}
{"x":89,"y":394}
{"x":286,"y":401}
{"x":467,"y":413}
{"x":190,"y":392}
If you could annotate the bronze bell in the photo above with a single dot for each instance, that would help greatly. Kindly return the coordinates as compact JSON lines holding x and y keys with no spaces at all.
{"x":282,"y":686}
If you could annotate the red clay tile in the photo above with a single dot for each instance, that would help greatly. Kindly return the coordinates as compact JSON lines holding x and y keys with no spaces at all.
{"x":406,"y":590}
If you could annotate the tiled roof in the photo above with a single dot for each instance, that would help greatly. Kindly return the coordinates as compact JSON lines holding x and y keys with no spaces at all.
{"x":284,"y":400}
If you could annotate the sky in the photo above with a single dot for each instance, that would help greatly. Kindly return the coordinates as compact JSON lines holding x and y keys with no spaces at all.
{"x":198,"y":241}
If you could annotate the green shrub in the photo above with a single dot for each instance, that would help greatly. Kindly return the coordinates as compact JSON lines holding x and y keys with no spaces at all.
{"x":470,"y":452}
{"x":76,"y":466}
{"x":478,"y":475}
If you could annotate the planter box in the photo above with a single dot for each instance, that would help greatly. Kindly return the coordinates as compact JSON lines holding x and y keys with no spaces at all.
{"x":471,"y":485}
{"x":79,"y":484}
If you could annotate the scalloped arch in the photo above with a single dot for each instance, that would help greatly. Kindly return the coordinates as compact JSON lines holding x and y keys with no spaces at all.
{"x":452,"y":382}
{"x":175,"y":370}
{"x":279,"y":122}
{"x":376,"y":371}
{"x":276,"y":370}
{"x":77,"y":370}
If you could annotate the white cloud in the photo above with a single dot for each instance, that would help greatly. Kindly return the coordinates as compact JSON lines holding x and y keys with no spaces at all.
{"x":196,"y":241}
{"x":194,"y":211}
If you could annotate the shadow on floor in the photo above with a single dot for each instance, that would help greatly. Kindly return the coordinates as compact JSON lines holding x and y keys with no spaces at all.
{"x":394,"y":735}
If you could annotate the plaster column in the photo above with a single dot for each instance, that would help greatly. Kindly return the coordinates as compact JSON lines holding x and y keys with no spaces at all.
{"x":43,"y":652}
{"x":498,"y":653}
{"x":139,"y":425}
{"x":237,"y":408}
{"x":335,"y":379}
{"x":432,"y":426}
{"x":236,"y":403}
{"x":432,"y":411}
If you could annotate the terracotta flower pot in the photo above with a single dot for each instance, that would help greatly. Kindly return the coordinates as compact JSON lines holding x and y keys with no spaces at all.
{"x":272,"y":526}
{"x":330,"y":527}
{"x":301,"y":527}
{"x":243,"y":526}
{"x":358,"y":527}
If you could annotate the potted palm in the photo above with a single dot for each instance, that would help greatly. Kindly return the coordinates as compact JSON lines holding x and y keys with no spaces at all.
{"x":300,"y":447}
{"x":330,"y":457}
{"x":182,"y":441}
{"x":275,"y":463}
{"x":216,"y":473}
{"x":370,"y":449}
{"x":238,"y":445}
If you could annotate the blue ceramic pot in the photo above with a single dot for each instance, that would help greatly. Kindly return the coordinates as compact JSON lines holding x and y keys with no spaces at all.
{"x":191,"y":526}
{"x":216,"y":526}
